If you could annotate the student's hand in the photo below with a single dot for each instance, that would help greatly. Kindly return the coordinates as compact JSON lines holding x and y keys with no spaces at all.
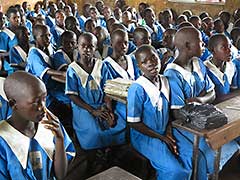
{"x":51,"y":122}
{"x":171,"y":143}
{"x":111,"y":120}
{"x":193,"y":99}
{"x":99,"y":113}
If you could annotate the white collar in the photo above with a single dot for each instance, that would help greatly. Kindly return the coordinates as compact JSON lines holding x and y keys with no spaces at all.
{"x":67,"y":58}
{"x":229,"y":71}
{"x":120,"y":70}
{"x":9,"y":33}
{"x":83,"y":18}
{"x":187,"y":75}
{"x":19,"y":143}
{"x":21,"y":52}
{"x":45,"y":57}
{"x":2,"y":92}
{"x":83,"y":75}
{"x":152,"y":90}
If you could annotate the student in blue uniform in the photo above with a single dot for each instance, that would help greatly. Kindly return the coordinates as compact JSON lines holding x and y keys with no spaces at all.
{"x":82,"y":19}
{"x":189,"y":82}
{"x":39,"y":61}
{"x":84,"y":86}
{"x":148,"y":102}
{"x":58,"y":29}
{"x":155,"y":29}
{"x":121,"y":65}
{"x":26,"y":153}
{"x":220,"y":67}
{"x":7,"y":37}
{"x":50,"y":18}
{"x":102,"y":49}
{"x":18,"y":53}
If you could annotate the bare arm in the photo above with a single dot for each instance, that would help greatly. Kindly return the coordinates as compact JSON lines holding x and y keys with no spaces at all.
{"x":60,"y":158}
{"x":203,"y":97}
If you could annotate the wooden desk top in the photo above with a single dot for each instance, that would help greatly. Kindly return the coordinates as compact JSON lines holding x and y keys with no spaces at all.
{"x":220,"y":136}
{"x":114,"y":173}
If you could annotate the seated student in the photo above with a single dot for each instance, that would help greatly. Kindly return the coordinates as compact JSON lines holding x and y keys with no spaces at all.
{"x":71,"y":24}
{"x":117,"y":13}
{"x":90,"y":25}
{"x":94,"y":15}
{"x":220,"y":67}
{"x":148,"y":102}
{"x":226,"y":17}
{"x":189,"y":82}
{"x":82,"y":19}
{"x":25,"y":151}
{"x":169,"y":51}
{"x":208,"y":26}
{"x":39,"y":61}
{"x":140,"y":36}
{"x":197,"y":23}
{"x":7,"y":37}
{"x":50,"y":18}
{"x":155,"y":29}
{"x":131,"y":45}
{"x":121,"y":65}
{"x":58,"y":29}
{"x":167,"y":19}
{"x":18,"y":53}
{"x":68,"y":11}
{"x":37,"y":11}
{"x":84,"y":86}
{"x":128,"y":22}
{"x":102,"y":49}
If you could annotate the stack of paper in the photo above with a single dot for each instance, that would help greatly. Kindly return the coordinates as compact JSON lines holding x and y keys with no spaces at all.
{"x":117,"y":87}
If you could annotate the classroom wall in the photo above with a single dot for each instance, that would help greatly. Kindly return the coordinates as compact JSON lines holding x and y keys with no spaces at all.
{"x":6,"y":3}
{"x":159,"y":5}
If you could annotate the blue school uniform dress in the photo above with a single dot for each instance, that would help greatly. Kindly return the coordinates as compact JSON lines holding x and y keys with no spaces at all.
{"x":82,"y":19}
{"x":149,"y":105}
{"x":17,"y":55}
{"x":50,"y":21}
{"x":24,"y":158}
{"x":59,"y":61}
{"x":237,"y":65}
{"x":206,"y":54}
{"x":223,"y":81}
{"x":56,"y":32}
{"x":5,"y":109}
{"x":38,"y":63}
{"x":156,"y":32}
{"x":89,"y":87}
{"x":118,"y":72}
{"x":185,"y":84}
{"x":7,"y":40}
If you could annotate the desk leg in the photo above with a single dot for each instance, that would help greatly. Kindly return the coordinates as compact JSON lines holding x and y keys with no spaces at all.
{"x":216,"y":163}
{"x":195,"y":156}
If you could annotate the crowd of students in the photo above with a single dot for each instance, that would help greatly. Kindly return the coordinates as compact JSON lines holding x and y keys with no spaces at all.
{"x":56,"y":63}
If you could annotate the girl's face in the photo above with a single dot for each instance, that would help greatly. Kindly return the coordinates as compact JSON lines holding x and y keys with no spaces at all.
{"x":15,"y":19}
{"x":25,"y":36}
{"x":86,"y":47}
{"x":2,"y":20}
{"x":222,"y":51}
{"x":168,"y":37}
{"x":120,"y":44}
{"x":43,"y":38}
{"x":69,"y":44}
{"x":145,"y":38}
{"x":149,"y":17}
{"x":93,"y":14}
{"x":151,"y":65}
{"x":219,"y":27}
{"x":60,"y":18}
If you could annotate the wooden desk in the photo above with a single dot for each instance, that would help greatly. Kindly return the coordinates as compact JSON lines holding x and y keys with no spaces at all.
{"x":216,"y":137}
{"x":114,"y":173}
